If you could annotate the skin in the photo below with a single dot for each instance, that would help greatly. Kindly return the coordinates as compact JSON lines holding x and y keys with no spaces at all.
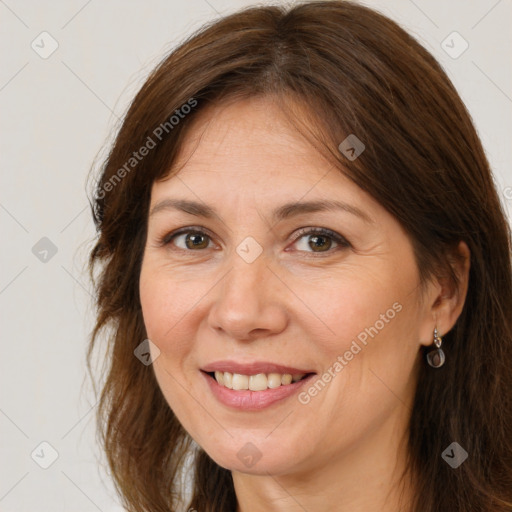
{"x":345,"y":448}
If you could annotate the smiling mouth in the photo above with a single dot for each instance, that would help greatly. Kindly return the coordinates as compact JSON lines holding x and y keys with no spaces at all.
{"x":258,"y":382}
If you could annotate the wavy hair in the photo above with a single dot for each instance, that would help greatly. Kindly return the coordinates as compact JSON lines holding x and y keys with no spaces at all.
{"x":337,"y":68}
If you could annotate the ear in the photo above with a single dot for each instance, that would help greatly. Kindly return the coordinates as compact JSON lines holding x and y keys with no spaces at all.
{"x":444,"y":299}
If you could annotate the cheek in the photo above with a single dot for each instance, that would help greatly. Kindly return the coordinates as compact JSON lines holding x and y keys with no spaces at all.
{"x":372,"y":346}
{"x":361,"y":305}
{"x":167,"y":306}
{"x":154,"y":299}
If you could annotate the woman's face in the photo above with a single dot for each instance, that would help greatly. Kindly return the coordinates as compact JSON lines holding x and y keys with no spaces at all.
{"x":246,"y":288}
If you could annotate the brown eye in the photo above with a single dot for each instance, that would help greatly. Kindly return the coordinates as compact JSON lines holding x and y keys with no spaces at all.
{"x":320,"y":240}
{"x":188,"y":240}
{"x":196,"y":241}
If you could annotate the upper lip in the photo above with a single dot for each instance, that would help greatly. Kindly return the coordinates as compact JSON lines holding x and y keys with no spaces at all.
{"x":251,"y":368}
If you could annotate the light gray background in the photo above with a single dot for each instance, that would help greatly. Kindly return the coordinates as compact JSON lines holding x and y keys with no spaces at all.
{"x":56,"y":114}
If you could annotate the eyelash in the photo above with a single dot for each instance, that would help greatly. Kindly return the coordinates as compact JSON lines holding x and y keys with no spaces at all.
{"x":340,"y":240}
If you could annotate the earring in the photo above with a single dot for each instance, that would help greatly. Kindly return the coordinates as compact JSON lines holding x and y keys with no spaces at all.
{"x":435,"y":357}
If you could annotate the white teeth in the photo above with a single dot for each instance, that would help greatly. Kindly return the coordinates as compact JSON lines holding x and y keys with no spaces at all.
{"x":258,"y":382}
{"x":274,"y":380}
{"x":240,"y":381}
{"x":228,"y":380}
{"x":286,"y":379}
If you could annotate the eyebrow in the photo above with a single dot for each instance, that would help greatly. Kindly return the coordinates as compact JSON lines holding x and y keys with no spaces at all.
{"x":281,"y":213}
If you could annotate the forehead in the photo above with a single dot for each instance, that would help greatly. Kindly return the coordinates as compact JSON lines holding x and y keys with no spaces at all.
{"x":250,"y":146}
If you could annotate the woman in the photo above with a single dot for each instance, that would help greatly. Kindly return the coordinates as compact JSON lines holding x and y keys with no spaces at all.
{"x":306,"y":277}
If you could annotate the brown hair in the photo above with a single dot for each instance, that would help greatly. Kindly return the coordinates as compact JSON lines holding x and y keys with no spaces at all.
{"x":352,"y":70}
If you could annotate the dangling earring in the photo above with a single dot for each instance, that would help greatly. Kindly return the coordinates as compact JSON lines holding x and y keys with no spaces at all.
{"x":435,"y":357}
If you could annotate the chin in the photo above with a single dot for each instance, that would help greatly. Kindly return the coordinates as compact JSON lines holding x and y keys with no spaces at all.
{"x":255,"y":458}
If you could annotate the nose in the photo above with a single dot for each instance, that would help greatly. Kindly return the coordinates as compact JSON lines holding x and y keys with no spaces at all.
{"x":250,"y":301}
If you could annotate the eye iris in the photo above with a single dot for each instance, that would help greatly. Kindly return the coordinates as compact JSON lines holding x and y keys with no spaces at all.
{"x":314,"y":244}
{"x":195,"y":238}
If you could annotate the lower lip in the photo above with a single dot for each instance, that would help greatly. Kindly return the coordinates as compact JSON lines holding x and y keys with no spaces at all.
{"x":248,"y":400}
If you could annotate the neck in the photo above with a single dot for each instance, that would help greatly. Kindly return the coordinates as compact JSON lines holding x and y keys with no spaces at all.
{"x":368,"y":477}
